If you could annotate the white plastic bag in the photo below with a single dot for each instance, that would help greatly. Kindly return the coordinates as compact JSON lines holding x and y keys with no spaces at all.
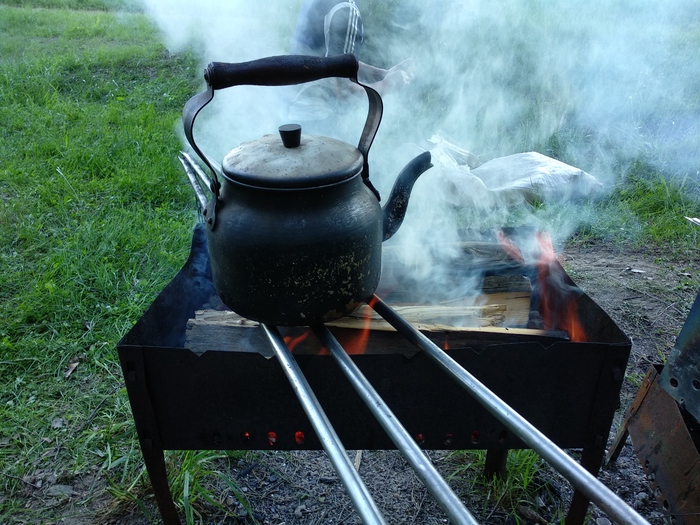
{"x":508,"y":181}
{"x":536,"y":176}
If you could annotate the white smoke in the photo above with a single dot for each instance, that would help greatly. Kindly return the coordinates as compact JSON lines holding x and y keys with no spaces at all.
{"x":498,"y":77}
{"x":508,"y":75}
{"x":595,"y":83}
{"x":234,"y":31}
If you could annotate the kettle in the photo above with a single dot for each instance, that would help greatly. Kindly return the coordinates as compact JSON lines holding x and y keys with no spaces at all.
{"x":294,"y":225}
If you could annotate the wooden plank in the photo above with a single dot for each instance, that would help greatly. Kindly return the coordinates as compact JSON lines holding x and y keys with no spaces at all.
{"x":494,"y":284}
{"x":428,"y":317}
{"x":458,"y":257}
{"x":227,"y":331}
{"x":500,"y":308}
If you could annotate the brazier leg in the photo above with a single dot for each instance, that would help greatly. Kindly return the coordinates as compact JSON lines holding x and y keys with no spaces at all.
{"x":147,"y":429}
{"x":155,"y":465}
{"x":591,"y":460}
{"x":495,"y":464}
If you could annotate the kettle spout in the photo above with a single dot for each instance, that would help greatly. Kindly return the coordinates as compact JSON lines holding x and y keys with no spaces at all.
{"x":395,"y":208}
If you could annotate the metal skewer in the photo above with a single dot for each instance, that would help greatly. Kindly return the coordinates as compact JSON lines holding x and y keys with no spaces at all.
{"x":199,"y":171}
{"x":583,"y":480}
{"x":187,"y":163}
{"x":431,"y":478}
{"x":359,"y":495}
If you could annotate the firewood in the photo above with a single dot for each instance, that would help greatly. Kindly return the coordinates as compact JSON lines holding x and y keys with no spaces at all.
{"x":227,"y":331}
{"x":499,"y":306}
{"x":466,"y":256}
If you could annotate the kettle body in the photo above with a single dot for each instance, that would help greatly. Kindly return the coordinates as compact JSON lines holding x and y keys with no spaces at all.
{"x":294,"y":224}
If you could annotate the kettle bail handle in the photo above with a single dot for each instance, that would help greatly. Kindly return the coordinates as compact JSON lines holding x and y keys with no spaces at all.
{"x":192,"y":108}
{"x":283,"y":70}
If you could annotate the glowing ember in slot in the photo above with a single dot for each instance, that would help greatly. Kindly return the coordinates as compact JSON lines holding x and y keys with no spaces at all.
{"x":299,"y":438}
{"x":475,"y":437}
{"x":272,"y":438}
{"x":420,"y":439}
{"x":293,"y":342}
{"x":245,"y":437}
{"x":446,"y":346}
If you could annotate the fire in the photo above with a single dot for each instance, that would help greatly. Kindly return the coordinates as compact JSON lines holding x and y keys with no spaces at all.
{"x":557,"y":306}
{"x":292,"y":342}
{"x":557,"y":298}
{"x":509,"y":247}
{"x":355,"y":344}
{"x":358,"y":344}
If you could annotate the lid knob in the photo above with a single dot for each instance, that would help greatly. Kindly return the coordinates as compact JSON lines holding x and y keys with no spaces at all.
{"x":291,"y":135}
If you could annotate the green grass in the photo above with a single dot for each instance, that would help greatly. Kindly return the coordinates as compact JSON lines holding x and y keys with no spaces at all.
{"x":96,"y":218}
{"x":646,"y":209}
{"x":86,"y":5}
{"x":524,"y":489}
{"x":200,"y":482}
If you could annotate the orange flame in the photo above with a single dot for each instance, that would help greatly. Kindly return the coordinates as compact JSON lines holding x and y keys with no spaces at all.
{"x":358,"y":343}
{"x":509,"y":247}
{"x":557,"y":306}
{"x":292,"y":342}
{"x":557,"y":298}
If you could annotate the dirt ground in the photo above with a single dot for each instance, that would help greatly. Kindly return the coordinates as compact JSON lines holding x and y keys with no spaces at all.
{"x":649,"y":296}
{"x":646,"y":294}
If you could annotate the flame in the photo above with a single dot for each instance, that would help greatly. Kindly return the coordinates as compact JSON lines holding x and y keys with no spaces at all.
{"x":358,"y":343}
{"x":557,"y":306}
{"x":557,"y":298}
{"x":509,"y":247}
{"x":292,"y":342}
{"x":355,"y":344}
{"x":571,"y":323}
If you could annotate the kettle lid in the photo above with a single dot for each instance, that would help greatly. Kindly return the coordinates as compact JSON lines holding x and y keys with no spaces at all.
{"x":294,"y":161}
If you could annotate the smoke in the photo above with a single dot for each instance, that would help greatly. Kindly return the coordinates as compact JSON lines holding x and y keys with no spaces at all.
{"x":498,"y":77}
{"x":593,"y":83}
{"x":619,"y":79}
{"x":234,"y":31}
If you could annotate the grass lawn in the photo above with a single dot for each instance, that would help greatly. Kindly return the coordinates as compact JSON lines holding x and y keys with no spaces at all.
{"x":96,"y":218}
